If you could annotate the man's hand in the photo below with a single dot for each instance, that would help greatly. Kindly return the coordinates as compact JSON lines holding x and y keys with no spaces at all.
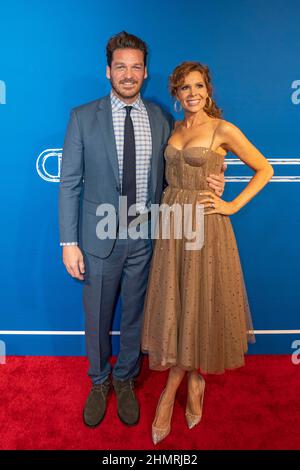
{"x":217,"y":182}
{"x":73,"y":261}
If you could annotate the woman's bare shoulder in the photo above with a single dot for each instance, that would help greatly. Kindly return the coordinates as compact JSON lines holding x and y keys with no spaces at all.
{"x":225,"y":127}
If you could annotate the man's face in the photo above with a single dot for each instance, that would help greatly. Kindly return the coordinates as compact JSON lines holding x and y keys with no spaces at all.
{"x":127,"y":73}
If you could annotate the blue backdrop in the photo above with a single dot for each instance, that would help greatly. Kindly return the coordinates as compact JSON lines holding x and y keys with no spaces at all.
{"x":53,"y":58}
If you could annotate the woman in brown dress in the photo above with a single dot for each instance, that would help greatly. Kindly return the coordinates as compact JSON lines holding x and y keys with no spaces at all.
{"x":196,"y":310}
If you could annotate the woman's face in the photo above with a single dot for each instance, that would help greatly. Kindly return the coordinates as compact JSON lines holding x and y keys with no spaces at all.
{"x":193,"y":93}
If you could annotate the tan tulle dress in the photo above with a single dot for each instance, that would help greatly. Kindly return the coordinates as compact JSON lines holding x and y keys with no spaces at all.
{"x":196,"y":313}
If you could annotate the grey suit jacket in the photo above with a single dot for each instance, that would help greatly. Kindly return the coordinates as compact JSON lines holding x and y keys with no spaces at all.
{"x":90,"y":175}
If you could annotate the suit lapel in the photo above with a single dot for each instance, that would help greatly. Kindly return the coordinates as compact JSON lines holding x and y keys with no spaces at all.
{"x":104,"y":116}
{"x":155,"y":134}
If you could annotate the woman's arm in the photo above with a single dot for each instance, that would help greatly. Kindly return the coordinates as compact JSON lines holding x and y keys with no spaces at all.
{"x":232,"y":139}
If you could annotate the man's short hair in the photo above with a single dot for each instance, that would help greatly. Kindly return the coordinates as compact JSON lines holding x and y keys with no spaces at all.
{"x":125,"y":40}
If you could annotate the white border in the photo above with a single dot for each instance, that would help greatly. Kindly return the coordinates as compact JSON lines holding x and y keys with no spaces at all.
{"x":82,"y":333}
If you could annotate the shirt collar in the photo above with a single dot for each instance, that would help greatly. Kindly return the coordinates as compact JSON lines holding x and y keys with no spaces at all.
{"x":117,"y":103}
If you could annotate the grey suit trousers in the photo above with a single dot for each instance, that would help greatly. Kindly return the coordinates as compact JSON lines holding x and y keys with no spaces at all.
{"x":126,"y":271}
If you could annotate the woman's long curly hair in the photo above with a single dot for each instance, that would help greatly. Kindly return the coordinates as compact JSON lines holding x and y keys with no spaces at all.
{"x":178,"y":75}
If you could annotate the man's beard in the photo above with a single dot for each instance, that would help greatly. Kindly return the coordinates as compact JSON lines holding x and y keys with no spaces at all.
{"x":120,"y":92}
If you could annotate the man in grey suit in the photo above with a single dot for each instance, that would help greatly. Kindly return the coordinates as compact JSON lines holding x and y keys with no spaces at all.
{"x":113,"y":146}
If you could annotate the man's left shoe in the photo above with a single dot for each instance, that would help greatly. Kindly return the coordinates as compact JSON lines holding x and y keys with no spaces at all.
{"x":128,"y":407}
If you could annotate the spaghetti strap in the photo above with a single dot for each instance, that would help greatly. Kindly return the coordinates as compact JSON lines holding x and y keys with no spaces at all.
{"x":214,"y":133}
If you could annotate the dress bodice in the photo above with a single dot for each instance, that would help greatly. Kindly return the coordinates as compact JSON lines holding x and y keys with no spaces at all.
{"x":189,"y":167}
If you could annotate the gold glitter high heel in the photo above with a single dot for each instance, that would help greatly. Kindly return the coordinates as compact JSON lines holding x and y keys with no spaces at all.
{"x":158,"y":434}
{"x":192,"y":419}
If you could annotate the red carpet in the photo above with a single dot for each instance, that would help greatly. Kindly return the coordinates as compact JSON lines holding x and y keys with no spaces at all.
{"x":255,"y":407}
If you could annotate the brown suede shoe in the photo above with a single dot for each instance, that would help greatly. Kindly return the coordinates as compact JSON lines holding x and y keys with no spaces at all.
{"x":128,"y":407}
{"x":95,"y":406}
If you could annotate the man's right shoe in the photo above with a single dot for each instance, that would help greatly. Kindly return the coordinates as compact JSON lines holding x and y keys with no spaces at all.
{"x":95,"y":406}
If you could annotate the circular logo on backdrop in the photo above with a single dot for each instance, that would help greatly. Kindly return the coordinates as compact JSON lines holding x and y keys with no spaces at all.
{"x":48,"y":165}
